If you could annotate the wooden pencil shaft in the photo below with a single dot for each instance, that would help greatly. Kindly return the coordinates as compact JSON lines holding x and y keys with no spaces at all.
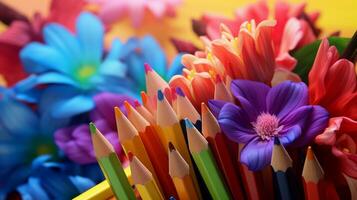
{"x":311,"y":191}
{"x":185,"y":188}
{"x":210,"y":174}
{"x":116,"y":177}
{"x":158,"y":157}
{"x":225,"y":163}
{"x":149,"y":191}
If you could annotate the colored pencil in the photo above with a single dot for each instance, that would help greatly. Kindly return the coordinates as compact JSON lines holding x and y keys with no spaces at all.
{"x":216,"y":140}
{"x":180,"y":173}
{"x":154,"y":82}
{"x":312,"y":175}
{"x":352,"y":184}
{"x":221,"y":92}
{"x":131,"y":141}
{"x":111,"y":166}
{"x":148,"y":103}
{"x":154,"y":148}
{"x":170,"y":131}
{"x":143,"y":180}
{"x":145,"y":113}
{"x":285,"y":178}
{"x":203,"y":157}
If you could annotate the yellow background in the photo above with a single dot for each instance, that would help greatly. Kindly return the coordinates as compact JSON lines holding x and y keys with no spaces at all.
{"x":335,"y":15}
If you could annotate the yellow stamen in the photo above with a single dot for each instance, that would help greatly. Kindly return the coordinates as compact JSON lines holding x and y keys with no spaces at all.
{"x":86,"y":72}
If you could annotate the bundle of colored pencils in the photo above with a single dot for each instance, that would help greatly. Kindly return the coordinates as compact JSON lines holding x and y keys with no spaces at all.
{"x":175,"y":152}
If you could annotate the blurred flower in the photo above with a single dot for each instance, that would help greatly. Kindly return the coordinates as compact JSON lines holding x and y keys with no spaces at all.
{"x":113,"y":10}
{"x":135,"y":52}
{"x":341,"y":135}
{"x":24,"y":135}
{"x":264,"y":113}
{"x":49,"y":180}
{"x":22,"y":31}
{"x":73,"y":67}
{"x":76,"y":141}
{"x":294,"y":28}
{"x":332,"y":82}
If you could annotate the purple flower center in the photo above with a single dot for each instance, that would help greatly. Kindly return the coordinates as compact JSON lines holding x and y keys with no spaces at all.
{"x":267,"y":126}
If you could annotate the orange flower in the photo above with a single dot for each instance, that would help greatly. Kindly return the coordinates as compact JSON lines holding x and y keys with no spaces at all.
{"x":332,"y":82}
{"x":197,"y":86}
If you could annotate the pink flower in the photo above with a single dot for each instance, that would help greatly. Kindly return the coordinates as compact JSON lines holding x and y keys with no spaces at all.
{"x":113,"y":10}
{"x":294,"y":28}
{"x":341,"y":136}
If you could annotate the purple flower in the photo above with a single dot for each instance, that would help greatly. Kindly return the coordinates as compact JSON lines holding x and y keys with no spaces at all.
{"x":265,"y":113}
{"x":76,"y":141}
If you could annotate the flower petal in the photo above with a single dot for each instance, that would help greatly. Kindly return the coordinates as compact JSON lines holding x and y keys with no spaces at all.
{"x":62,"y":40}
{"x":175,"y":67}
{"x":311,"y":119}
{"x":113,"y":68}
{"x":216,"y":106}
{"x":234,"y":123}
{"x":257,"y":154}
{"x":153,"y":54}
{"x":73,"y":106}
{"x":286,"y":97}
{"x":90,"y":33}
{"x":82,"y":184}
{"x":39,"y":58}
{"x":290,"y":135}
{"x":251,"y":95}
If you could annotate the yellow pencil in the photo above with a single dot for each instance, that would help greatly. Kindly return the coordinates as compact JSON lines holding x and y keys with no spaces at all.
{"x":179,"y":171}
{"x":131,"y":141}
{"x":143,"y":180}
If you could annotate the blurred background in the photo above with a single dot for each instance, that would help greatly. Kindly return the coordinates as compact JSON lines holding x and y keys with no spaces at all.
{"x":334,"y":15}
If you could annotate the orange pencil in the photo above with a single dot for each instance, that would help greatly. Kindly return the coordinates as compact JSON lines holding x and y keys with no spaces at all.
{"x":154,"y":148}
{"x":216,"y":140}
{"x":148,"y":103}
{"x":145,"y":113}
{"x":131,"y":141}
{"x":312,"y":175}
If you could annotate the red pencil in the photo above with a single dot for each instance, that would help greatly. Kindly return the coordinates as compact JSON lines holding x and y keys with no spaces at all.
{"x":313,"y":176}
{"x":155,"y":149}
{"x":216,"y":140}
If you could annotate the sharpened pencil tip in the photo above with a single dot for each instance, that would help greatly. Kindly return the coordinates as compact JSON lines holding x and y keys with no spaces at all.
{"x":180,"y":92}
{"x":160,"y":95}
{"x":276,"y":141}
{"x":92,"y":128}
{"x":204,"y":108}
{"x":117,"y":112}
{"x":310,"y":153}
{"x":127,"y":107}
{"x":218,"y":79}
{"x":171,"y":147}
{"x":137,"y":104}
{"x":147,"y":67}
{"x":188,"y":123}
{"x":130,"y":156}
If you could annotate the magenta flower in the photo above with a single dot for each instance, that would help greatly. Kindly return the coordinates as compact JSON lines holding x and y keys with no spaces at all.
{"x":75,"y":141}
{"x":264,"y":113}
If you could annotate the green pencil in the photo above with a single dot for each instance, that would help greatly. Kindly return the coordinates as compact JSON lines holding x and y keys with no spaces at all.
{"x":203,"y":157}
{"x":110,"y":165}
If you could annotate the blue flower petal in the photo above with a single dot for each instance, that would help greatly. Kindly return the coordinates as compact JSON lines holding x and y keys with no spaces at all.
{"x":55,"y":78}
{"x":216,"y":106}
{"x":17,"y":119}
{"x":115,"y":51}
{"x":113,"y":68}
{"x":33,"y":190}
{"x":153,"y":54}
{"x":61,"y":39}
{"x":25,"y":90}
{"x":175,"y":68}
{"x":289,"y":135}
{"x":90,"y":33}
{"x":38,"y":58}
{"x":257,"y":154}
{"x":82,"y":184}
{"x":73,"y":106}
